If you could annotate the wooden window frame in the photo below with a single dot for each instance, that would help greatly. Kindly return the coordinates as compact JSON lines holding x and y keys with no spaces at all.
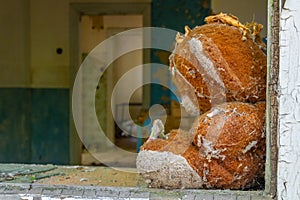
{"x":272,"y":98}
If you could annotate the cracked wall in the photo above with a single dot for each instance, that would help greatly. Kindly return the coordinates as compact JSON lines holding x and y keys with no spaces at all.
{"x":288,"y":174}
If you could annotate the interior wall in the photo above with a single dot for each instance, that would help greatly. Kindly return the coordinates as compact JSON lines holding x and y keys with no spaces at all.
{"x":34,"y":96}
{"x":245,"y":10}
{"x":14,"y":33}
{"x":49,"y":69}
{"x":90,"y":38}
{"x":49,"y":30}
{"x":14,"y":78}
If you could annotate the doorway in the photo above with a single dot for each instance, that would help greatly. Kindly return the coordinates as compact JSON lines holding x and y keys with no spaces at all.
{"x":91,"y":24}
{"x":93,"y":30}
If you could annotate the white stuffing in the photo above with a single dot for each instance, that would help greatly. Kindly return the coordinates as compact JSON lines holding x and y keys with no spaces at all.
{"x":189,"y":106}
{"x":167,"y":169}
{"x":214,"y":111}
{"x":197,"y":49}
{"x":249,"y":146}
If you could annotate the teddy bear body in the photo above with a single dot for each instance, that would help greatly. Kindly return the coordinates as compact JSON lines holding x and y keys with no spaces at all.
{"x":220,"y":70}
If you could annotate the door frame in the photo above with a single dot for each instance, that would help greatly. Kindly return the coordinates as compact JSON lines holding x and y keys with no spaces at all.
{"x":272,"y":117}
{"x":100,"y":8}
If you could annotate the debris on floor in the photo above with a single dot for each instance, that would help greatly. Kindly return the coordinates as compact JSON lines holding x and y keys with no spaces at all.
{"x":70,"y":175}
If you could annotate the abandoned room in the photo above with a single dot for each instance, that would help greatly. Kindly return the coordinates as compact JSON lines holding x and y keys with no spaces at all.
{"x":149,"y":99}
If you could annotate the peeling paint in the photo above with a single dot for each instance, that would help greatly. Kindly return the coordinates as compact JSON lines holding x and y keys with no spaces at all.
{"x":288,"y":185}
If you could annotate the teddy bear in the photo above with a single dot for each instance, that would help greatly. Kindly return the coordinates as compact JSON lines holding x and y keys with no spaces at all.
{"x":219,"y":69}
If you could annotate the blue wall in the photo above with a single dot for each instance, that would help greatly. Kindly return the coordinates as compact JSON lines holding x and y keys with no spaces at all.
{"x":173,"y":14}
{"x":15,"y":138}
{"x":50,"y":126}
{"x":34,"y":125}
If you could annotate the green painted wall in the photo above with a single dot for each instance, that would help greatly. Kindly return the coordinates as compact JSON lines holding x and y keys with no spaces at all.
{"x":50,"y":126}
{"x":173,"y":14}
{"x":15,"y":138}
{"x":34,"y":125}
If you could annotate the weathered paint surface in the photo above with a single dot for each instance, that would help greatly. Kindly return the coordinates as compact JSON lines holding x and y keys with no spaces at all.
{"x":172,"y":14}
{"x":34,"y":125}
{"x":288,"y":186}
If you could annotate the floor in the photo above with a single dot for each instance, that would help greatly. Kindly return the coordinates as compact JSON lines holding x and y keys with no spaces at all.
{"x":70,"y":175}
{"x":111,"y":158}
